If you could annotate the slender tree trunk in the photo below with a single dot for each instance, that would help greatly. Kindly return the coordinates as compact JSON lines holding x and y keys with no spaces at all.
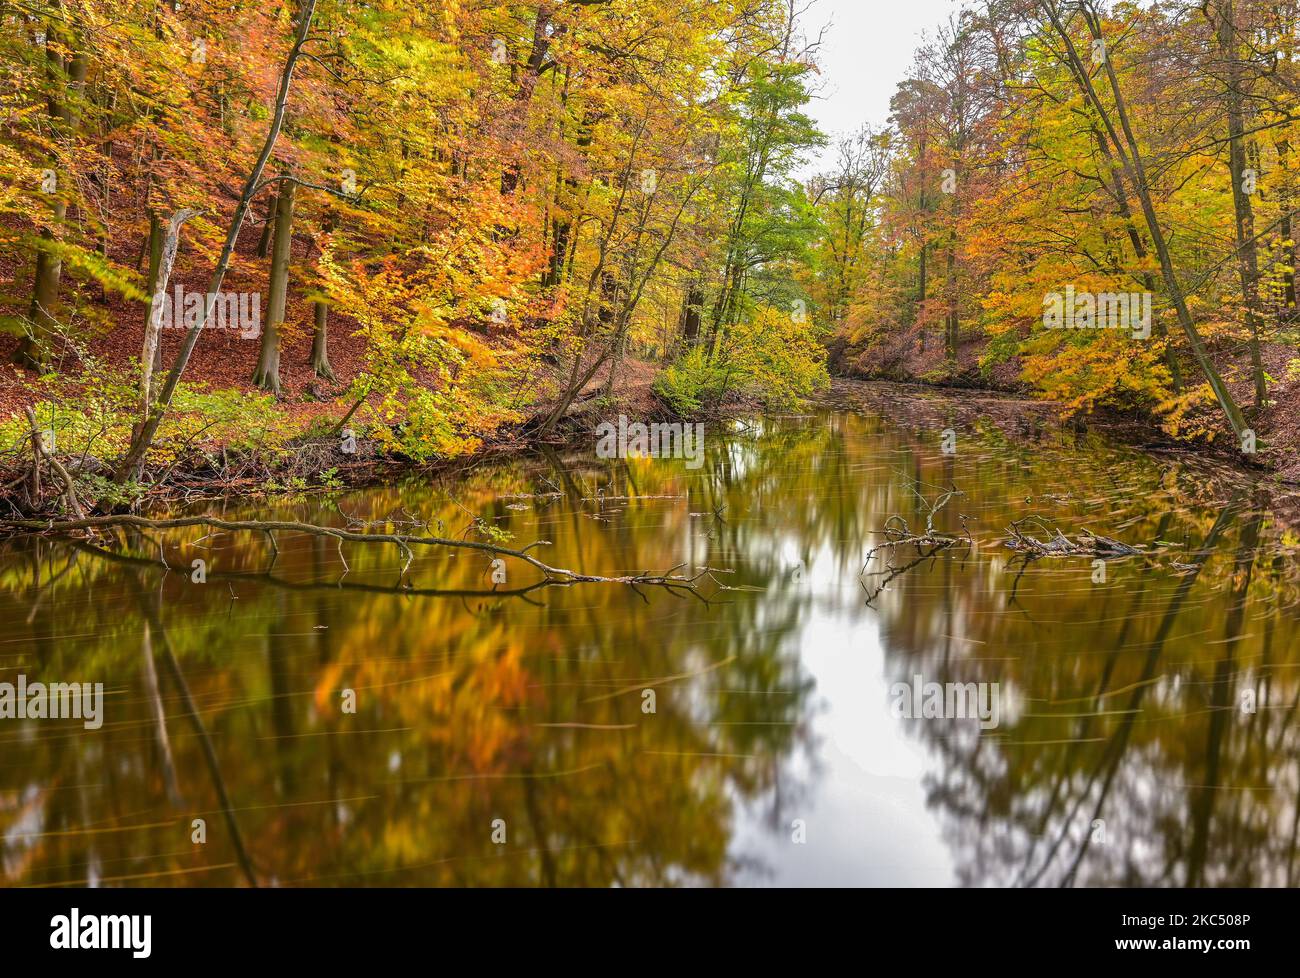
{"x":267,"y":374}
{"x":920,"y":292}
{"x":1284,"y":199}
{"x":268,"y":228}
{"x":1120,"y":194}
{"x":950,"y":333}
{"x":510,"y":174}
{"x":616,"y":360}
{"x":67,"y":85}
{"x":132,"y":463}
{"x":320,"y":354}
{"x":566,"y":192}
{"x":719,"y":307}
{"x":1130,"y":156}
{"x":730,"y":313}
{"x":554,"y":273}
{"x":153,"y":325}
{"x":155,"y":258}
{"x":692,"y":309}
{"x":34,"y":347}
{"x":953,"y":324}
{"x":1247,"y":256}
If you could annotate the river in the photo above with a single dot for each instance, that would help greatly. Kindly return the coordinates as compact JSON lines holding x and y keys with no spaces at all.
{"x":301,"y":716}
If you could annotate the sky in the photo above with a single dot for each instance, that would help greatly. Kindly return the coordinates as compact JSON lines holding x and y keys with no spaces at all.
{"x":866,"y":51}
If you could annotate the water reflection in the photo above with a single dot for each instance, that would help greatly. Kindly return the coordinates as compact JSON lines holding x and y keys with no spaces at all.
{"x":1134,"y":753}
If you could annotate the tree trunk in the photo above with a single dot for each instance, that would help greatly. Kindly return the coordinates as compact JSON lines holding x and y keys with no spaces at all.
{"x":149,"y":354}
{"x":267,"y":374}
{"x":132,"y":464}
{"x":34,"y":347}
{"x":1130,"y":156}
{"x":554,"y":273}
{"x":1120,"y":194}
{"x":320,"y":354}
{"x":616,"y":360}
{"x":563,"y":223}
{"x":953,"y":320}
{"x":264,"y":242}
{"x":920,"y":294}
{"x":155,"y":257}
{"x":1247,"y":257}
{"x":511,"y":172}
{"x":67,"y":83}
{"x":692,"y":310}
{"x":1284,"y":199}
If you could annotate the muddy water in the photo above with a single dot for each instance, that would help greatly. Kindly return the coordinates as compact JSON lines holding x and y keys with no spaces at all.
{"x":312,"y":722}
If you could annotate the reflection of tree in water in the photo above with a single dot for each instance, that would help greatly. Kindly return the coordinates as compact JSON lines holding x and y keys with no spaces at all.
{"x":474,"y":706}
{"x":471,"y":707}
{"x":1132,"y":762}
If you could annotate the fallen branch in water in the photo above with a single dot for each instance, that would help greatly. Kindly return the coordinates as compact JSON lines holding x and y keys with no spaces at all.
{"x":1057,"y":544}
{"x":893,"y":571}
{"x":266,"y":578}
{"x":553,"y":575}
{"x":929,"y":543}
{"x":899,"y":534}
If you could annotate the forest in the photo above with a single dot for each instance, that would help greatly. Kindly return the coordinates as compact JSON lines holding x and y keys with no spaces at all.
{"x":233,"y":231}
{"x":503,"y":443}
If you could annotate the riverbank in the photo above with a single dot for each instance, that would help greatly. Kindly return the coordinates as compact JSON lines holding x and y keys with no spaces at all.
{"x":1277,"y":427}
{"x":322,"y":455}
{"x":334,"y":460}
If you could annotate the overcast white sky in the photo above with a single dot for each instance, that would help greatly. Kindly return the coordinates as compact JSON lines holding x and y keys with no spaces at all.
{"x":866,"y":52}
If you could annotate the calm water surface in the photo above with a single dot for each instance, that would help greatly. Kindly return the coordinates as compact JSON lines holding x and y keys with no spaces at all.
{"x":1148,"y":734}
